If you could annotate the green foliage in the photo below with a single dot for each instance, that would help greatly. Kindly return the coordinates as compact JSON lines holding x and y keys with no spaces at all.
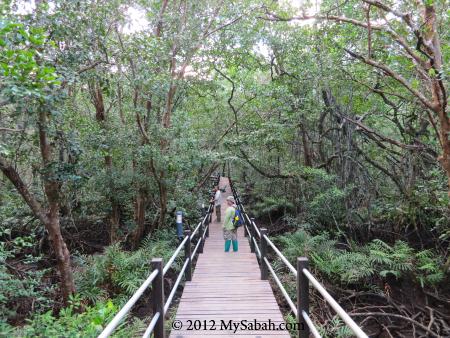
{"x":121,"y":272}
{"x":271,"y":204}
{"x":294,"y":120}
{"x":21,"y":62}
{"x":71,"y":322}
{"x":426,"y":207}
{"x":377,"y":259}
{"x":335,"y":328}
{"x":394,"y":260}
{"x":428,"y":268}
{"x":21,"y":284}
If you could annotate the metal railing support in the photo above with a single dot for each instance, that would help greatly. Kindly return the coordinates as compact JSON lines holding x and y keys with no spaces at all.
{"x":252,"y":242}
{"x":187,"y":255}
{"x":246,"y":234}
{"x":158,"y":297}
{"x":263,"y":249}
{"x":302,"y":297}
{"x":200,"y":238}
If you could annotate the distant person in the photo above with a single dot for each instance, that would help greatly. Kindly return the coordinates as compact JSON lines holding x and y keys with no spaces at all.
{"x":217,"y":203}
{"x":229,"y":231}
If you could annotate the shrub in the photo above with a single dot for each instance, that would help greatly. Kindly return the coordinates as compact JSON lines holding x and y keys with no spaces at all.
{"x":72,"y":323}
{"x":121,"y":272}
{"x":23,"y":290}
{"x":374,"y":260}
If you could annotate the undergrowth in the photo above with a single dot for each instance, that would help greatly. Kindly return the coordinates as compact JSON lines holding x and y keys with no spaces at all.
{"x":104,"y":283}
{"x":120,"y":272}
{"x":363,"y":264}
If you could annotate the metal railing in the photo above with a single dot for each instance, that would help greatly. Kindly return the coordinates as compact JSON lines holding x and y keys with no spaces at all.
{"x":156,"y":279}
{"x":301,"y":272}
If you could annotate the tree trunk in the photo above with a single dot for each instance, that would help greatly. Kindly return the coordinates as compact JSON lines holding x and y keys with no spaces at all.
{"x":139,"y":218}
{"x":444,"y":159}
{"x":162,"y":201}
{"x":51,"y":220}
{"x":100,"y":116}
{"x":432,"y":45}
{"x":114,"y":217}
{"x":59,"y":246}
{"x":306,"y":150}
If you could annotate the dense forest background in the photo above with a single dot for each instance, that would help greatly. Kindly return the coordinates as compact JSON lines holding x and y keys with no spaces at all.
{"x":330,"y":116}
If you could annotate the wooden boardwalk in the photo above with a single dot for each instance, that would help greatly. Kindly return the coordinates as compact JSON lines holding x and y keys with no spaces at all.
{"x":226,"y":288}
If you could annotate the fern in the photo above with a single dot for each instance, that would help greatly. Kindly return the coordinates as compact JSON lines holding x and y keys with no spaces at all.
{"x":363,"y":263}
{"x":335,"y":328}
{"x":394,"y":260}
{"x":118,"y":271}
{"x":428,"y":268}
{"x":353,"y":267}
{"x":272,"y":204}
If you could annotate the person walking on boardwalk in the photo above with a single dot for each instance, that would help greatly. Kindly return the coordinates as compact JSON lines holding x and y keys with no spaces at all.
{"x":229,"y":231}
{"x":217,"y":202}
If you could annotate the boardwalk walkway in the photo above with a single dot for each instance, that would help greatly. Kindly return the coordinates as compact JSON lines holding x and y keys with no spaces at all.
{"x":226,"y":287}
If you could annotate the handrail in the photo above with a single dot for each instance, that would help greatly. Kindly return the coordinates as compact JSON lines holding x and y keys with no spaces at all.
{"x":256,"y":229}
{"x":336,"y":307}
{"x":311,"y":326}
{"x":204,"y":232}
{"x":195,"y":249}
{"x":175,"y":286}
{"x":201,"y":222}
{"x":151,"y":326}
{"x":127,"y":307}
{"x":301,"y":311}
{"x":175,"y":254}
{"x":284,"y":259}
{"x":257,"y":247}
{"x":283,"y":290}
{"x":196,"y":229}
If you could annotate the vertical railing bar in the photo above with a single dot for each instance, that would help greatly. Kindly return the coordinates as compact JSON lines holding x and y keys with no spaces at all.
{"x":263,"y":250}
{"x":302,"y":297}
{"x":252,"y":237}
{"x":200,"y":238}
{"x":158,"y":296}
{"x":187,"y":255}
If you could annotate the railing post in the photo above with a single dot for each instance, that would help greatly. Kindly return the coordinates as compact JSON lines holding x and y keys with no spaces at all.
{"x":187,"y":254}
{"x":207,"y":226}
{"x":246,"y":234}
{"x":302,"y":297}
{"x":158,"y":296}
{"x":200,"y":238}
{"x":252,"y":231}
{"x":263,"y":249}
{"x":211,"y":213}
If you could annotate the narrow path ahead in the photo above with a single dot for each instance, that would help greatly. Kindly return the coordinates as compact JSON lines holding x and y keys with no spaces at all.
{"x":226,"y":288}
